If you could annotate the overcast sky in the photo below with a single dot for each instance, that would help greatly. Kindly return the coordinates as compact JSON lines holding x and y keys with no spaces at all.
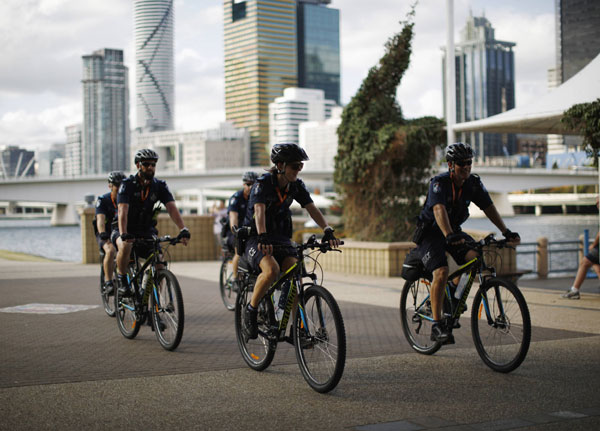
{"x":42,"y":41}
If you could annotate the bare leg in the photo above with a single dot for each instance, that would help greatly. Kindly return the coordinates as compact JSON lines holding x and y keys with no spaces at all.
{"x":123,"y":255}
{"x":234,"y":262}
{"x":269,"y":270}
{"x":440,"y":276}
{"x":109,"y":260}
{"x":582,"y":271}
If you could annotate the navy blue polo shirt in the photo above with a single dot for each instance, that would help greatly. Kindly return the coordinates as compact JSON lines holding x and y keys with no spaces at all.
{"x":457,"y":201}
{"x":106,"y":206}
{"x":142,"y":201}
{"x":278,"y":215}
{"x":238,"y":203}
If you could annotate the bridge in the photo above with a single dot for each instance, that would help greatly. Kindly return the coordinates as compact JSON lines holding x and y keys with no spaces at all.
{"x":66,"y":193}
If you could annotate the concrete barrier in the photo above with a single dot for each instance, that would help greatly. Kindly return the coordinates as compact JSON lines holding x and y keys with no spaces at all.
{"x":202,"y":246}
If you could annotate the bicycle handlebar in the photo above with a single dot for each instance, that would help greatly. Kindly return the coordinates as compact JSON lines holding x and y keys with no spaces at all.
{"x":155,"y":239}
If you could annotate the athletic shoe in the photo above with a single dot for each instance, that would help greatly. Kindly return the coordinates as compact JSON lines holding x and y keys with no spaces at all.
{"x":440,"y":333}
{"x":571,"y":294}
{"x":250,"y":323}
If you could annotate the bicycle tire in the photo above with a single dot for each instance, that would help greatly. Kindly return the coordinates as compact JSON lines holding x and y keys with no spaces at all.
{"x":108,"y":301}
{"x":258,"y":353}
{"x":128,"y":317}
{"x":226,"y":284}
{"x":502,"y":345}
{"x":321,"y":353}
{"x":416,"y":328}
{"x":168,"y":316}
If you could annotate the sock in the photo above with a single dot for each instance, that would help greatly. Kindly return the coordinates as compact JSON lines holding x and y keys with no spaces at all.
{"x":251,"y":308}
{"x":574,"y":289}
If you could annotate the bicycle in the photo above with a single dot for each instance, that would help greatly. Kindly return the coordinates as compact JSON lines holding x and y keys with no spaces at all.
{"x":500,"y":321}
{"x":108,"y":301}
{"x":154,"y":289}
{"x":317,"y":332}
{"x":226,"y":288}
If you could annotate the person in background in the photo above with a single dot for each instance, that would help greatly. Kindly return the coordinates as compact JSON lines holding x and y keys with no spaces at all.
{"x":591,"y":260}
{"x":236,"y":212}
{"x":104,"y":222}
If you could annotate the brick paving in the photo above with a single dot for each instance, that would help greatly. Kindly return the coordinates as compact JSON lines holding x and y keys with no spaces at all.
{"x":87,"y":345}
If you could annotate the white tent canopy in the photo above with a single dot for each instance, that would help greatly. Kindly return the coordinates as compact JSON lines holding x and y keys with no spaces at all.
{"x":544,"y":114}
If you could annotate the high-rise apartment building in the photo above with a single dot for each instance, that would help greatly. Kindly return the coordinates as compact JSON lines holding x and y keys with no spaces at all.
{"x":296,"y":106}
{"x":105,"y":112}
{"x":319,"y":47}
{"x":154,"y":67}
{"x":260,"y":61}
{"x":485,"y":85}
{"x":73,"y":151}
{"x":577,"y":35}
{"x":270,"y":45}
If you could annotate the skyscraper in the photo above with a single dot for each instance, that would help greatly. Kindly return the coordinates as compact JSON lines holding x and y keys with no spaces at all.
{"x":260,"y":61}
{"x":154,"y":69}
{"x":105,"y":112}
{"x":319,"y":47}
{"x":485,"y":85}
{"x":577,"y":35}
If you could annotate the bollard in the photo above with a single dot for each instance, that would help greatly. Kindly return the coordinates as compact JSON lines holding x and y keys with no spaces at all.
{"x":542,"y":257}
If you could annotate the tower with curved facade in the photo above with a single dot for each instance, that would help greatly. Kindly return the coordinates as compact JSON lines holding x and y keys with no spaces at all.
{"x":154,"y":67}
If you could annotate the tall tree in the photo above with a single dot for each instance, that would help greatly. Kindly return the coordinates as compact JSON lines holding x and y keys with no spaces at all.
{"x":383,"y":159}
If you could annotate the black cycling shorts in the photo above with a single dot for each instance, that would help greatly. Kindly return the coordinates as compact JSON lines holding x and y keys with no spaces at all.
{"x":592,"y":256}
{"x":433,"y":250}
{"x":253,"y":255}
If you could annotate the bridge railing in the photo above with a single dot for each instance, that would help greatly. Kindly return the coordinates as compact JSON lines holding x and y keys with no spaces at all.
{"x":543,"y":258}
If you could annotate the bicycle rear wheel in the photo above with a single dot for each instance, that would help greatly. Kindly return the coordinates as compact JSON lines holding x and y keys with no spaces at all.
{"x":258,"y":353}
{"x":416,"y":316}
{"x":128,"y":316}
{"x":501,"y":337}
{"x":320,"y":339}
{"x":226,"y":283}
{"x":108,"y":301}
{"x":167,"y":310}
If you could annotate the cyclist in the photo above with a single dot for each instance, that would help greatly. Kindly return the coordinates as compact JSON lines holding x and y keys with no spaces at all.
{"x":446,"y":209}
{"x":236,"y":212}
{"x":137,"y":198}
{"x":270,"y":219}
{"x":105,"y":219}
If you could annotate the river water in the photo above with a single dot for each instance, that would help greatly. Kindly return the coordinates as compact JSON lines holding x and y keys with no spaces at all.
{"x":37,"y":237}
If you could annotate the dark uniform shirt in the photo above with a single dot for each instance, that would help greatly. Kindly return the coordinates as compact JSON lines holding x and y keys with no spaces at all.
{"x":106,"y":206}
{"x":142,"y":201}
{"x":278,"y":215}
{"x":456,"y":201}
{"x":238,"y":203}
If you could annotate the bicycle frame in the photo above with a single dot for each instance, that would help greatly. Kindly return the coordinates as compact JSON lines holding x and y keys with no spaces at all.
{"x":474,"y":267}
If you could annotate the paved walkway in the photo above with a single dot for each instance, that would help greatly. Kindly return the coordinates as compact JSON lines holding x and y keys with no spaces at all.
{"x":75,"y":370}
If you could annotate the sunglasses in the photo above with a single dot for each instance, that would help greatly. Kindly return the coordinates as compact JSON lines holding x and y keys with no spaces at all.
{"x":463,"y":163}
{"x":296,"y":166}
{"x":147,"y":164}
{"x":249,"y":184}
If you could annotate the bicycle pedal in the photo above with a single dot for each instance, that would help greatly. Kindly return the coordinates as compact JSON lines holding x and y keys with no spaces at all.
{"x":449,"y":341}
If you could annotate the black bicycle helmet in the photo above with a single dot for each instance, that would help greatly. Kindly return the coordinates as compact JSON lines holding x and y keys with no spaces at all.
{"x":458,"y":151}
{"x":146,"y":154}
{"x":116,"y":177}
{"x":249,"y":177}
{"x":287,"y":153}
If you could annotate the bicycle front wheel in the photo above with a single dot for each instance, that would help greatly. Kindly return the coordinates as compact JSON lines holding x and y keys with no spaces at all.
{"x":128,"y":317}
{"x":257,"y":353}
{"x":416,"y":316}
{"x":226,"y":283}
{"x":167,"y":310}
{"x":320,"y":339}
{"x":108,"y":301}
{"x":500,"y":325}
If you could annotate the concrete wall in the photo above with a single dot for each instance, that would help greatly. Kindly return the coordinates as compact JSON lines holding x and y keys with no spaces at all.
{"x":202,"y":246}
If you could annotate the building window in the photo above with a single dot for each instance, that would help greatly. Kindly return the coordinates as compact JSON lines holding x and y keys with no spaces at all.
{"x":238,"y":10}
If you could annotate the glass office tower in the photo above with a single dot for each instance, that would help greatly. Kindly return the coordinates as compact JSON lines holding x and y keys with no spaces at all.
{"x":485,"y":85}
{"x":105,"y":112}
{"x":260,"y":61}
{"x":319,"y":47}
{"x":154,"y":67}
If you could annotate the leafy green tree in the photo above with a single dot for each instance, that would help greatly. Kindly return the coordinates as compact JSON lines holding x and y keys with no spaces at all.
{"x":585,"y":118}
{"x":384,"y":160}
